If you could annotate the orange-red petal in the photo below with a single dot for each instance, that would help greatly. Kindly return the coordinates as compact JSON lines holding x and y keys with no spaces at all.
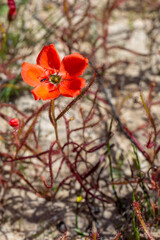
{"x":72,"y":87}
{"x":31,"y":73}
{"x":49,"y":58}
{"x":45,"y":91}
{"x":74,"y":64}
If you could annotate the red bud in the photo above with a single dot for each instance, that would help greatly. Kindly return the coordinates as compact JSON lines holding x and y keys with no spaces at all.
{"x":12,"y":10}
{"x":14,"y":122}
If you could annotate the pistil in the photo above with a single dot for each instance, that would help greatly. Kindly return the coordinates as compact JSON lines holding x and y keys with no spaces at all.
{"x":54,"y":78}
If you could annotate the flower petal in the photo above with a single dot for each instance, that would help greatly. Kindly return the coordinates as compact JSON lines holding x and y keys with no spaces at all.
{"x":49,"y":58}
{"x":75,"y":64}
{"x":71,"y":87}
{"x":45,"y":91}
{"x":31,"y":73}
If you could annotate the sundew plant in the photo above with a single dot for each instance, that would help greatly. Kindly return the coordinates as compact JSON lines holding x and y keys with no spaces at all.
{"x":79,"y":119}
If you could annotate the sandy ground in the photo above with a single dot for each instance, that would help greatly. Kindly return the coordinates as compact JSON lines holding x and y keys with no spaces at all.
{"x":27,"y":217}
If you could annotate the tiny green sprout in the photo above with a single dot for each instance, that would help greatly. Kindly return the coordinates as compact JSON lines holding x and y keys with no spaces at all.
{"x":20,"y":223}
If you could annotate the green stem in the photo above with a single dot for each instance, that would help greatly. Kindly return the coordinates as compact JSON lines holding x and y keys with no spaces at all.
{"x":110,"y":165}
{"x":136,"y":231}
{"x":146,"y":195}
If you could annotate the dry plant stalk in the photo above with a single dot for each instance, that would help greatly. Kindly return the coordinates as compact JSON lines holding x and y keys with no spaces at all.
{"x":136,"y":207}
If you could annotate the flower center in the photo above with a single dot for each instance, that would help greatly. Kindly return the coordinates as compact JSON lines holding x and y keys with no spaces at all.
{"x":54,"y":78}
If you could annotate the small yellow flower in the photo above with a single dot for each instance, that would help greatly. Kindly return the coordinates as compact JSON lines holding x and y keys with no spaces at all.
{"x":79,"y":199}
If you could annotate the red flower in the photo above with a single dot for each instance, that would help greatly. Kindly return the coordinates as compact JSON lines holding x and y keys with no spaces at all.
{"x":14,"y":122}
{"x":12,"y":10}
{"x":52,"y":77}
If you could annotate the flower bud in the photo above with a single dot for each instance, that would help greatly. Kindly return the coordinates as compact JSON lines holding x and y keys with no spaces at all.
{"x":12,"y":10}
{"x":14,"y":122}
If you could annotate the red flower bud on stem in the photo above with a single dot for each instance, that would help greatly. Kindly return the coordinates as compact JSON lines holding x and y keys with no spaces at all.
{"x":12,"y":10}
{"x":14,"y":122}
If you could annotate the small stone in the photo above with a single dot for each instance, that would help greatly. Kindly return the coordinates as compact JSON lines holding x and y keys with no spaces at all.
{"x":62,"y":227}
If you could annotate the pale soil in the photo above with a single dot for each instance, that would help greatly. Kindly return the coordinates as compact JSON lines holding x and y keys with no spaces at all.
{"x":25,"y":214}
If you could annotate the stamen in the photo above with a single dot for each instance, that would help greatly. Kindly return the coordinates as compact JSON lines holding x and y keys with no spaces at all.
{"x":54,"y":78}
